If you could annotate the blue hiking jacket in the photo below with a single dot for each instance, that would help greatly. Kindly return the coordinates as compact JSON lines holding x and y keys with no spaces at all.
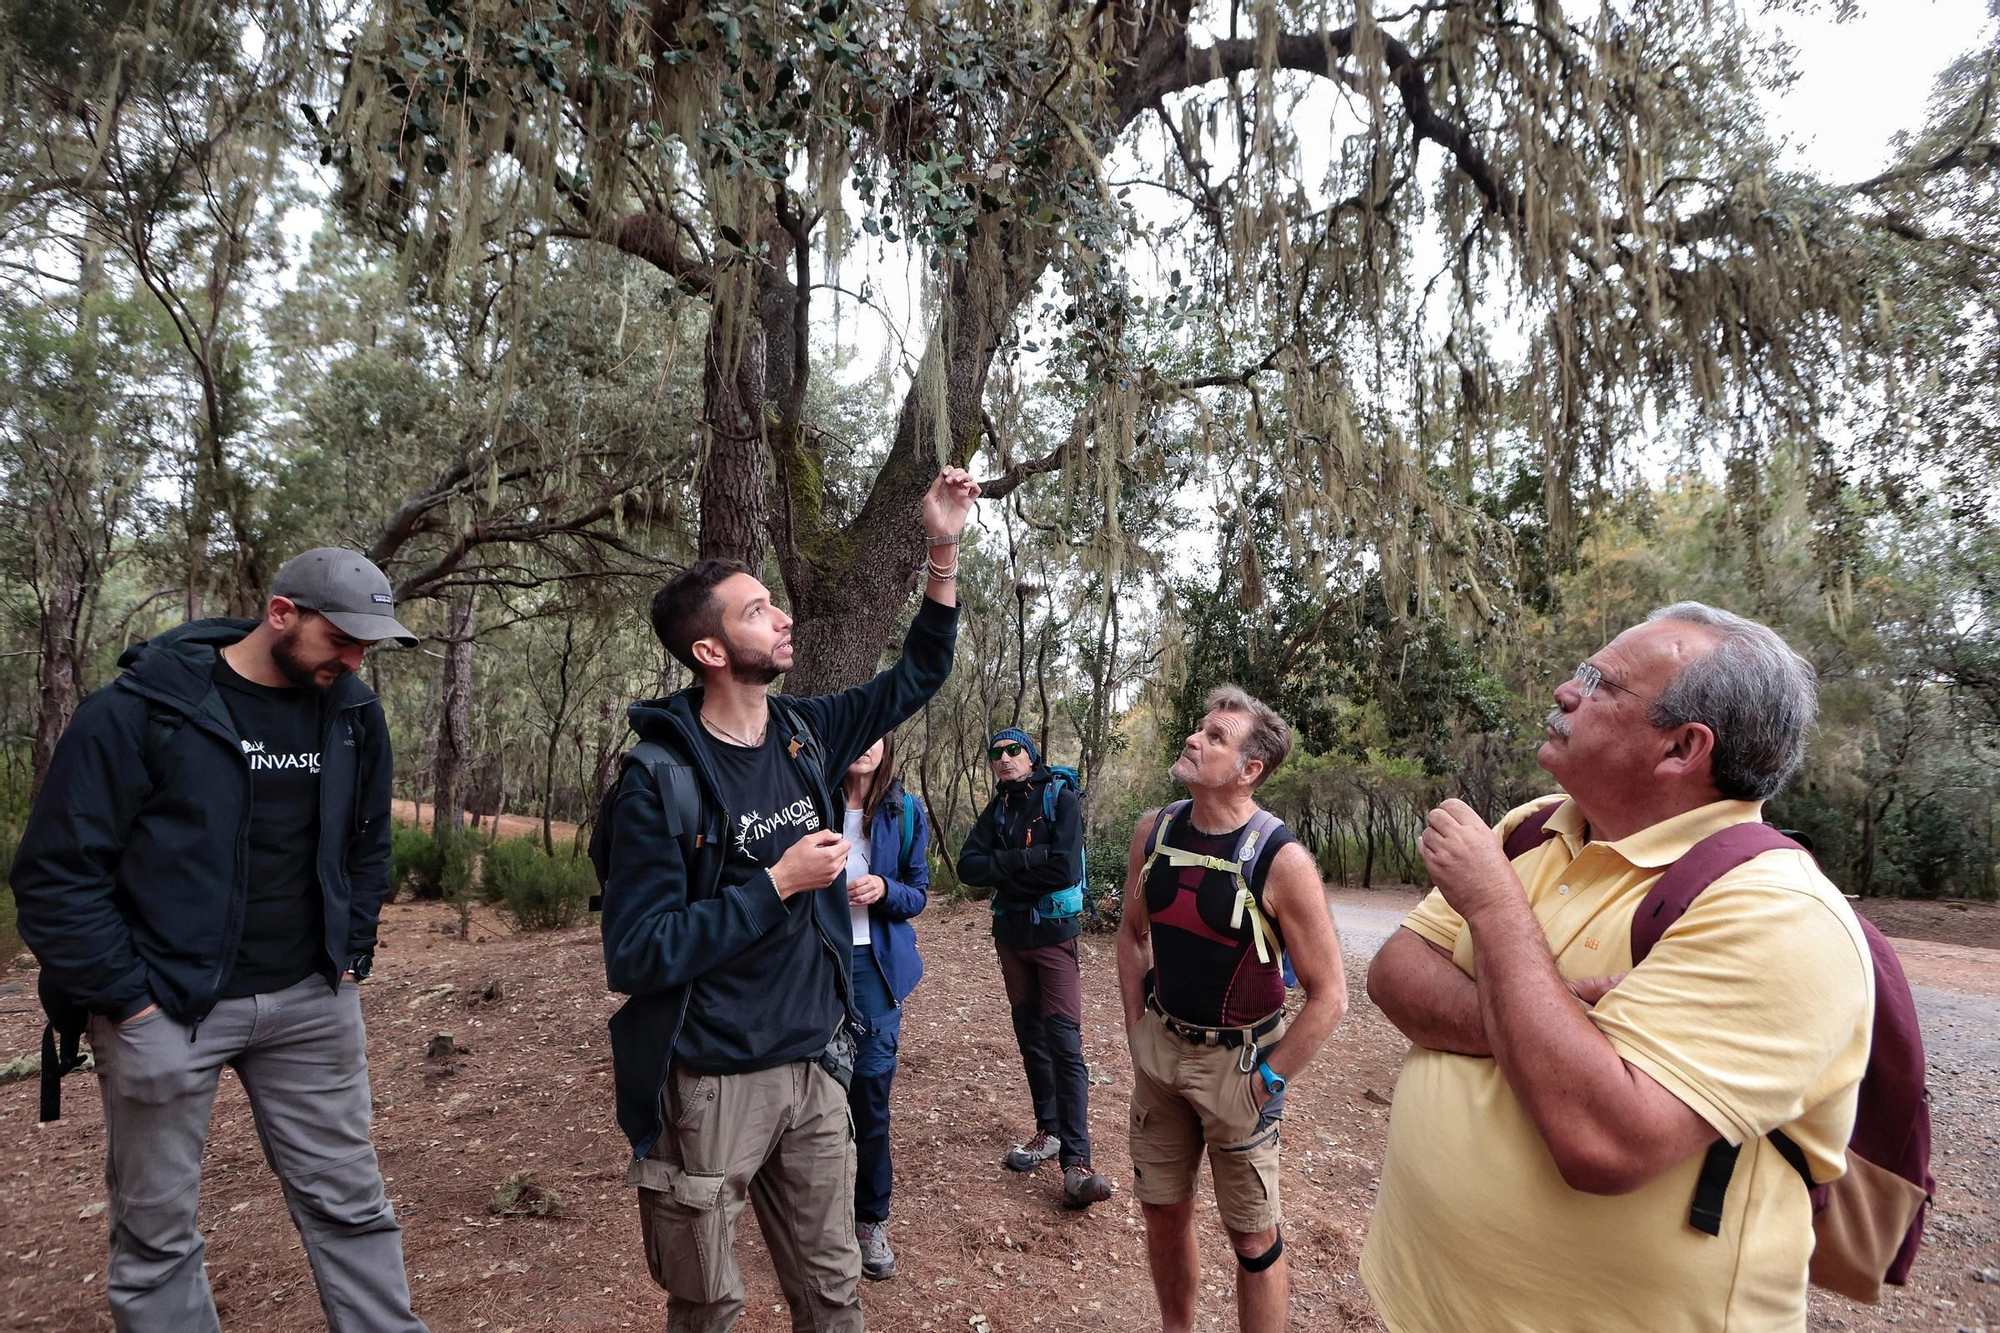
{"x":665,"y":922}
{"x":906,"y":889}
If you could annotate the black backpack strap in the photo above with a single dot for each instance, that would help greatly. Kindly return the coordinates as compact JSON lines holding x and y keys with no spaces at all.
{"x":680,"y":799}
{"x":1793,"y":1154}
{"x":812,"y":751}
{"x":680,"y":794}
{"x":1706,"y":1213}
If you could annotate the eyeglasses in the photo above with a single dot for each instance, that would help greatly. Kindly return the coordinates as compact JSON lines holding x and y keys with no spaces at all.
{"x":1010,"y":749}
{"x":1588,"y":678}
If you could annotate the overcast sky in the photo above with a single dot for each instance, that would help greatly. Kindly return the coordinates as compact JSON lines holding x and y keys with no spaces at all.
{"x":1861,"y":82}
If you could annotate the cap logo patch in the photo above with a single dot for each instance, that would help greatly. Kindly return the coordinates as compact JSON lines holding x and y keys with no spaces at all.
{"x":383,"y":597}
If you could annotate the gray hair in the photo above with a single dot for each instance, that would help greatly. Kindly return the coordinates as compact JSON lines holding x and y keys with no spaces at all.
{"x":1756,"y":694}
{"x":1269,"y":737}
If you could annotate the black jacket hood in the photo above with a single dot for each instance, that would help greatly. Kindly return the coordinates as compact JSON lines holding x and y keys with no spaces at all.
{"x":177,"y":667}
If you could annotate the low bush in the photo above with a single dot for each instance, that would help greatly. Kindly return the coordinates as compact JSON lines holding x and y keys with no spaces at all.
{"x":536,"y":891}
{"x":415,"y":864}
{"x":10,"y":936}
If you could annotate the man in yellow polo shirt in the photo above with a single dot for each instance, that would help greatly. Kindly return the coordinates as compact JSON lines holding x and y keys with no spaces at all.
{"x":1552,"y":1116}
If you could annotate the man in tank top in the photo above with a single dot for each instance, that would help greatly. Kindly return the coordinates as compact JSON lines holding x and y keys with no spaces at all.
{"x":1216,"y":892}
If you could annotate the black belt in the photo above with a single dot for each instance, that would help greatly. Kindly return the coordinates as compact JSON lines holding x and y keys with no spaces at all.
{"x":1201,"y":1036}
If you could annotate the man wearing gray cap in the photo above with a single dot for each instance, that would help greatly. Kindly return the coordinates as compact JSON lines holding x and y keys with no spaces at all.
{"x":201,"y":879}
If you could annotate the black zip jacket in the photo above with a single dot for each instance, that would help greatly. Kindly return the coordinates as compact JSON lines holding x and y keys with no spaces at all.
{"x":131,"y":878}
{"x":1018,"y":854}
{"x":665,"y":923}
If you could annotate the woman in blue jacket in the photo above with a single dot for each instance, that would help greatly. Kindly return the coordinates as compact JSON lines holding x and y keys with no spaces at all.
{"x":888,"y":882}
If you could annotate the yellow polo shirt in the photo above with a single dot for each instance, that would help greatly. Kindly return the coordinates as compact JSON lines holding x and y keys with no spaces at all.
{"x":1755,"y":1009}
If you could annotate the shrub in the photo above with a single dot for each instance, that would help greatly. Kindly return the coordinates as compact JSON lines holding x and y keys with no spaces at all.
{"x":534,"y":890}
{"x":10,"y":936}
{"x":415,"y":863}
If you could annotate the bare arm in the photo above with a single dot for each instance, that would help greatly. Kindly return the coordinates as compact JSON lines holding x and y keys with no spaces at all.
{"x":1421,"y":990}
{"x":1297,"y":901}
{"x":1610,"y":1127}
{"x":1135,"y":930}
{"x":946,"y":506}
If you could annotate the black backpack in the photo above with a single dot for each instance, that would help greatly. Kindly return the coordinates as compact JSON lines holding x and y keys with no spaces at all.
{"x":688,"y":819}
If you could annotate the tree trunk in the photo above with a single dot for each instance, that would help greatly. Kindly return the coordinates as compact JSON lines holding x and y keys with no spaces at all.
{"x":735,"y":473}
{"x":454,"y":742}
{"x":847,"y":586}
{"x":67,"y":535}
{"x":58,"y":683}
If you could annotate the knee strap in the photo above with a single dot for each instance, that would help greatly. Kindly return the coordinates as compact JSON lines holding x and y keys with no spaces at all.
{"x":1266,"y":1259}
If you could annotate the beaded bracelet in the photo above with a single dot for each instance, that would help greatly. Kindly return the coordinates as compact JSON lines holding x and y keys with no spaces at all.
{"x":949,"y":539}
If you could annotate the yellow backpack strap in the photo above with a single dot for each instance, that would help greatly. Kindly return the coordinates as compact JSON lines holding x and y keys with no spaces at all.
{"x":1261,"y":932}
{"x":1160,"y":822}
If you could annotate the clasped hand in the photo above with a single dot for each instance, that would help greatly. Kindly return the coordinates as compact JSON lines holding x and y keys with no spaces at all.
{"x":1465,"y":859}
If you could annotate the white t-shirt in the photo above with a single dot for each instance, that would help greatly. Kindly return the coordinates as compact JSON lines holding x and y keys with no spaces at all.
{"x":857,"y":866}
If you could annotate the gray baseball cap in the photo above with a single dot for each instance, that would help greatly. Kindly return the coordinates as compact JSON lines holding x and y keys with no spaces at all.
{"x":347,"y":589}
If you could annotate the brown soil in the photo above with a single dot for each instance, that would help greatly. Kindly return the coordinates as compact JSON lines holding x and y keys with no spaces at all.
{"x":979,"y":1248}
{"x":1973,"y":925}
{"x":511,"y":826}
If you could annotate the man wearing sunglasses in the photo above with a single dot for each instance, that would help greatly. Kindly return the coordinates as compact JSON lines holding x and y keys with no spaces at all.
{"x":1550,"y":1142}
{"x":1027,"y":850}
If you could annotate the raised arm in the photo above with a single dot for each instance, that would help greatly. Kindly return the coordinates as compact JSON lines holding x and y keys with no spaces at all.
{"x":854,"y":719}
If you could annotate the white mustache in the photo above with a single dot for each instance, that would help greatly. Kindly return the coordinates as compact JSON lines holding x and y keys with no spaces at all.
{"x":1558,"y":722}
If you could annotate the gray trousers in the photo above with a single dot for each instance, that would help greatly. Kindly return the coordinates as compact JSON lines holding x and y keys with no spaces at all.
{"x":301,"y":1054}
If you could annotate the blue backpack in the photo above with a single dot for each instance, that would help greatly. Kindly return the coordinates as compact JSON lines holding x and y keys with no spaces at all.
{"x":1063,"y":904}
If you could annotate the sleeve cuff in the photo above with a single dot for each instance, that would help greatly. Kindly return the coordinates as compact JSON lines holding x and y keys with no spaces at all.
{"x":762,"y":902}
{"x":935,"y":616}
{"x":1685,"y":1092}
{"x":1431,"y":931}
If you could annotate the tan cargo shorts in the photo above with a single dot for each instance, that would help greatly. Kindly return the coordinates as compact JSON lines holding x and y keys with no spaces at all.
{"x":1187,"y":1098}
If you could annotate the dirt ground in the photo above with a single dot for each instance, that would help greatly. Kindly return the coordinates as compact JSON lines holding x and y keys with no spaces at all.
{"x":980,"y":1249}
{"x":1950,"y":921}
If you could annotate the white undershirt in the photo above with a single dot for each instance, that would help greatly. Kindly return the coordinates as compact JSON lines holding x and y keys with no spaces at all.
{"x":857,"y":866}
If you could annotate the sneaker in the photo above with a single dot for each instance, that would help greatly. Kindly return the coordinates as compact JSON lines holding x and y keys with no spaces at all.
{"x":878,"y":1261}
{"x":1034,"y":1152}
{"x":1082,"y":1186}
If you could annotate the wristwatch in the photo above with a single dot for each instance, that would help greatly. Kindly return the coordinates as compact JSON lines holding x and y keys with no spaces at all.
{"x":1274,"y":1082}
{"x":360,"y":965}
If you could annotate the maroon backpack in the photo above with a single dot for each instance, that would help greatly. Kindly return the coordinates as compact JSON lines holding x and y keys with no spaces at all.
{"x":1869,"y":1222}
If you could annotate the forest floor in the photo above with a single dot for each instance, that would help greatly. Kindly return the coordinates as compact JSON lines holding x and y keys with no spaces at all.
{"x":980,"y":1249}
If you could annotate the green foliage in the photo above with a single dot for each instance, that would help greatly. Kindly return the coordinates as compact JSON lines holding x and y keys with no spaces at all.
{"x":1321,"y":644}
{"x":416,"y":865}
{"x":10,"y":935}
{"x":537,"y":891}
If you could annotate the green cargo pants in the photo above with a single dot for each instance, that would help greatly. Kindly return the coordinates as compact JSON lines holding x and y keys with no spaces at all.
{"x":782,"y":1139}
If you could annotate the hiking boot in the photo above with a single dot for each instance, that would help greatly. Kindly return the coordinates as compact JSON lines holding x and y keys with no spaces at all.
{"x":878,"y":1261}
{"x":1082,"y":1186}
{"x":1034,"y":1152}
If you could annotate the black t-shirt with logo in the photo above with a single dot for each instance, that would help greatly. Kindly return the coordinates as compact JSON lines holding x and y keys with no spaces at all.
{"x":777,"y":1001}
{"x":284,"y":924}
